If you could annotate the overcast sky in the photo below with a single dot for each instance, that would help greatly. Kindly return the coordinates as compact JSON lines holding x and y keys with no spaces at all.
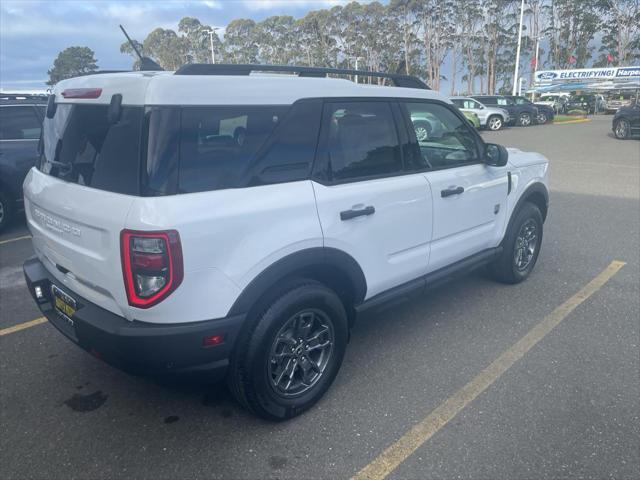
{"x":32,"y":33}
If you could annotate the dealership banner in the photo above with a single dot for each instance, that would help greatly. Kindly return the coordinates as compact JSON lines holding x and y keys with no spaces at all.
{"x":588,"y":74}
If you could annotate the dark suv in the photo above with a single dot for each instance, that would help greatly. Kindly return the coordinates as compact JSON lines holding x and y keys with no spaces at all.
{"x":626,"y":122}
{"x":586,"y":103}
{"x":521,"y":114}
{"x":20,"y":125}
{"x":545,"y":113}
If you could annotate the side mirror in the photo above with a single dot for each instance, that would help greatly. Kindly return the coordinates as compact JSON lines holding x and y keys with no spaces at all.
{"x":115,"y":109}
{"x":495,"y":155}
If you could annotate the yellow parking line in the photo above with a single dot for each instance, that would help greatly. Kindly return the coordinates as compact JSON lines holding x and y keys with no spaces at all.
{"x":24,"y":237}
{"x":399,"y":451}
{"x":22,"y":326}
{"x":568,"y":122}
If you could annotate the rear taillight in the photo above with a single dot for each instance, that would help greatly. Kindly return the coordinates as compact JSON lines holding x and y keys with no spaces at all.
{"x":151,"y":265}
{"x":82,"y":93}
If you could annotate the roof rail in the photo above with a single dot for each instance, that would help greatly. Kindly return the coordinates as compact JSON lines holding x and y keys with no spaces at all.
{"x":398,"y":80}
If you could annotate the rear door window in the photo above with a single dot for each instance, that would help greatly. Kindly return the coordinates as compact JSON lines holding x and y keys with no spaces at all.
{"x":19,"y":123}
{"x":361,"y":141}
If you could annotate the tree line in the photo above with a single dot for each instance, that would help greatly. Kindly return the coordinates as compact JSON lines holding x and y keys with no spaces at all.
{"x":475,"y":38}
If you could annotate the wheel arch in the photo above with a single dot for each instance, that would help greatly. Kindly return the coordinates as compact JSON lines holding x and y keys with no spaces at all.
{"x":329,"y":266}
{"x":536,"y":193}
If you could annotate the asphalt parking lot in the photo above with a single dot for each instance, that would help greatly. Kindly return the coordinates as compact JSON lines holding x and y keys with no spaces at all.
{"x":566,"y":405}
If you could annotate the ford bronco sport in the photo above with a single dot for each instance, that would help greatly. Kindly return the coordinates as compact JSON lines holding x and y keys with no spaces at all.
{"x":221,"y":221}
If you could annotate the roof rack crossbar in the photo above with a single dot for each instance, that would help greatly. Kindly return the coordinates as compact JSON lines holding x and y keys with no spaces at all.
{"x":398,"y":80}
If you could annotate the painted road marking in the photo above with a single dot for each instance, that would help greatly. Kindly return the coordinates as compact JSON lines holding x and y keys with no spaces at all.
{"x":399,"y":451}
{"x":24,"y":237}
{"x":22,"y":326}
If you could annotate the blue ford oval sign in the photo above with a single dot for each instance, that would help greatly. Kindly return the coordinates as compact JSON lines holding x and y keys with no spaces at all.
{"x":547,"y":75}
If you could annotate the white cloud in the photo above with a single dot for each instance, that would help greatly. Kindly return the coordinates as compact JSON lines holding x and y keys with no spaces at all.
{"x":275,"y":4}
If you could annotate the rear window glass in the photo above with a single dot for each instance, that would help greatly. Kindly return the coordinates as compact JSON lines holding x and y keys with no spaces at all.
{"x":81,"y":146}
{"x":19,"y":123}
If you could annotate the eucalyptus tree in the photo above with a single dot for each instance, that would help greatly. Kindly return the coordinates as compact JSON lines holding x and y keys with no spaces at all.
{"x":198,"y":40}
{"x":240,"y":41}
{"x":621,"y":32}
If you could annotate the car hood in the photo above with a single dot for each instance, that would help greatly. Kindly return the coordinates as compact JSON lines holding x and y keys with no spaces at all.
{"x":520,"y":159}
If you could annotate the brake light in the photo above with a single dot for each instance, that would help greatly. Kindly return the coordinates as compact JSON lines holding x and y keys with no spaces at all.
{"x":151,"y":265}
{"x":82,"y":92}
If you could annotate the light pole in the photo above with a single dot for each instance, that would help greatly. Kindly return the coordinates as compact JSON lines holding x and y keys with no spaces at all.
{"x":211,"y":33}
{"x":515,"y":75}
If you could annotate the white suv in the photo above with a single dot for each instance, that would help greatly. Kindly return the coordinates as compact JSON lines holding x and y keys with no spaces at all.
{"x":220,"y":222}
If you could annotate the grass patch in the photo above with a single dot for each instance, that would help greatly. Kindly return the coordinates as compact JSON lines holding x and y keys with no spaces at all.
{"x":568,"y":118}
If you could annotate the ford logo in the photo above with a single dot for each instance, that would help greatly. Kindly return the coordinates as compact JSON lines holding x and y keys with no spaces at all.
{"x":547,"y":75}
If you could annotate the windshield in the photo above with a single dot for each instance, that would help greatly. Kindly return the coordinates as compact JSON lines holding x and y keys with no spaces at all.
{"x":81,"y":146}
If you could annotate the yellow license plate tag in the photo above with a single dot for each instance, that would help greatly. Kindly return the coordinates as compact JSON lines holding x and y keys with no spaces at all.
{"x":63,"y":302}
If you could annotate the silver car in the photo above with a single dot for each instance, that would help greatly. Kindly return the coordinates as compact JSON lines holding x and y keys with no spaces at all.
{"x":490,"y":117}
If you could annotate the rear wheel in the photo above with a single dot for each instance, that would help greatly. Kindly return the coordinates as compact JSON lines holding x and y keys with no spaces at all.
{"x":6,"y":211}
{"x":525,"y":119}
{"x":622,"y":129}
{"x":291,"y":352}
{"x":521,"y":246}
{"x":542,"y":118}
{"x":495,"y":122}
{"x":422,"y":129}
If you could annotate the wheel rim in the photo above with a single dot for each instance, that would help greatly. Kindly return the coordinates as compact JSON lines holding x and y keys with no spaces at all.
{"x":495,"y":124}
{"x":300,"y":352}
{"x":542,"y":118}
{"x":621,"y":129}
{"x":526,"y":244}
{"x":421,"y":134}
{"x":525,"y":120}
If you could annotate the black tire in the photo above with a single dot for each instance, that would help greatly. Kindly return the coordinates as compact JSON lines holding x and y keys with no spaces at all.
{"x":251,"y":373}
{"x":622,"y":129}
{"x":505,"y":268}
{"x":6,"y":211}
{"x":495,"y":123}
{"x":524,"y":119}
{"x":542,"y":118}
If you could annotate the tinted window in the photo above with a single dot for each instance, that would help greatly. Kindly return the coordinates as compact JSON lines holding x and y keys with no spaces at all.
{"x":19,"y":123}
{"x":289,"y":153}
{"x":521,"y":101}
{"x":162,"y":138}
{"x":458,"y":103}
{"x":218,"y":144}
{"x":361,"y":140}
{"x":81,"y":146}
{"x":444,"y":139}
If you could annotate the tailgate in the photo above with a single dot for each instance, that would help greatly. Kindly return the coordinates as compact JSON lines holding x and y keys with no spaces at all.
{"x":76,"y":235}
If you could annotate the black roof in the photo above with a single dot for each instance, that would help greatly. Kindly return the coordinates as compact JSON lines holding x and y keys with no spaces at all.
{"x":398,"y":80}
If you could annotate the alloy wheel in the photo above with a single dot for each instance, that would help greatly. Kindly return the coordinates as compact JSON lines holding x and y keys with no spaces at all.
{"x":542,"y":118}
{"x":495,"y":123}
{"x":525,"y":120}
{"x":621,"y":129}
{"x":526,"y":244}
{"x":300,"y":352}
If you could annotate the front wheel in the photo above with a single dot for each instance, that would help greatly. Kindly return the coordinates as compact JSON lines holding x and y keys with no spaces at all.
{"x":290,"y":353}
{"x":494,"y":123}
{"x":622,"y":129}
{"x":521,"y":246}
{"x":525,"y":119}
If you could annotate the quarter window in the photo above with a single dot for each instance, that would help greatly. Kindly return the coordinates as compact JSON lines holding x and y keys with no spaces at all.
{"x":443,"y":139}
{"x":361,"y":140}
{"x":19,"y":123}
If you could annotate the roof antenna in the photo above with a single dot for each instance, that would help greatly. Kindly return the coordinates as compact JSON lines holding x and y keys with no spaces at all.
{"x":146,"y":64}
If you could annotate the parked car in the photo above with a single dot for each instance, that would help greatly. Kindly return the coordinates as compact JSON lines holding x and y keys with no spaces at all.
{"x":20,"y":125}
{"x":167,"y":244}
{"x":586,"y":103}
{"x":492,"y":118}
{"x":545,"y":113}
{"x":523,"y":115}
{"x":626,"y":121}
{"x":618,"y":100}
{"x":557,"y":102}
{"x":473,"y":118}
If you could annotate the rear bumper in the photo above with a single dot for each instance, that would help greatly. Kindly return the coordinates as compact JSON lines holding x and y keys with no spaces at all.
{"x":133,"y":346}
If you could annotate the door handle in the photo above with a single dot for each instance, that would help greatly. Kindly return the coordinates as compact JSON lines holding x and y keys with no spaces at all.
{"x":349,"y":214}
{"x":451,"y":191}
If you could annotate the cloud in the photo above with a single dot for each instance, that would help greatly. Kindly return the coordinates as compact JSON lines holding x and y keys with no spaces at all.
{"x":280,"y":4}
